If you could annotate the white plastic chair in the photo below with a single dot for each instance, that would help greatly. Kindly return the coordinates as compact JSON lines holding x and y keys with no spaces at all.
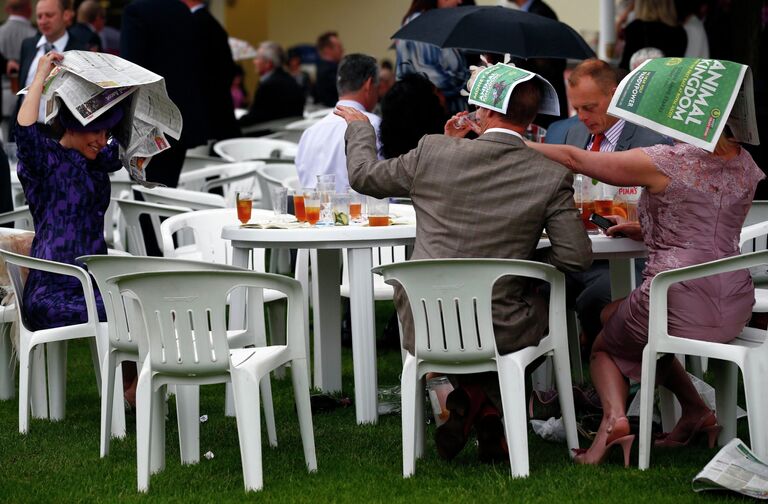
{"x":247,"y":149}
{"x":749,"y":352}
{"x":131,"y":211}
{"x":753,"y":238}
{"x":194,"y":200}
{"x":122,"y":346}
{"x":273,"y":175}
{"x":20,"y":217}
{"x":54,"y":338}
{"x":450,"y":301}
{"x":292,"y":183}
{"x":230,"y":177}
{"x":170,"y":317}
{"x":7,"y":316}
{"x":194,"y":162}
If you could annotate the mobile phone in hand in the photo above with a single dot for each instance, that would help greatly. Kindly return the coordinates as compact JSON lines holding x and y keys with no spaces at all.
{"x":604,"y":224}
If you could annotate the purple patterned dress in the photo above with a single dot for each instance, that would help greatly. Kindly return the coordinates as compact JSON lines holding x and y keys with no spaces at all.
{"x":697,"y":218}
{"x":67,"y":195}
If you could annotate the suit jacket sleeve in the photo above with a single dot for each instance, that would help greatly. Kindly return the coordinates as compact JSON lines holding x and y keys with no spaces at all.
{"x":571,"y":248}
{"x":368,"y":175}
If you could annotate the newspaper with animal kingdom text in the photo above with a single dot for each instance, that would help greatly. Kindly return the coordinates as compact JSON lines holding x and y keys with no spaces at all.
{"x":91,"y":83}
{"x":735,"y":468}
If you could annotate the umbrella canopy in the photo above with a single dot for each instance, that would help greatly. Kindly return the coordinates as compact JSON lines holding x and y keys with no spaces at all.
{"x":497,"y":30}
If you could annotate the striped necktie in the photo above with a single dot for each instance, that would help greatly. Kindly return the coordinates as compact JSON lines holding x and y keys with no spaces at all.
{"x":48,"y":47}
{"x":596,"y":141}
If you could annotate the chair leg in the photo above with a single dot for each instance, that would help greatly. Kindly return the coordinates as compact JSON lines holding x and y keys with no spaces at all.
{"x":37,"y":387}
{"x":118,"y":407}
{"x":300,"y":379}
{"x":246,"y":393}
{"x":96,"y":359}
{"x":757,"y":406}
{"x":420,"y":423}
{"x":726,"y":384}
{"x":565,"y":395}
{"x":512,"y":385}
{"x":574,"y":347}
{"x":542,"y":376}
{"x":188,"y":418}
{"x":107,"y":393}
{"x":265,"y":385}
{"x":144,"y":414}
{"x":24,"y":378}
{"x":7,"y":390}
{"x":157,"y":425}
{"x":229,"y":401}
{"x":276,"y":311}
{"x":647,"y":384}
{"x":56,"y":354}
{"x":409,"y":382}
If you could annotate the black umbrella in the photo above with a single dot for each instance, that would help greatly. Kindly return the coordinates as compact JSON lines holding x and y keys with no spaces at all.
{"x":497,"y":30}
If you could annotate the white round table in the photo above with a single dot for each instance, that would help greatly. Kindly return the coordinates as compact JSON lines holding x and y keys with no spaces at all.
{"x":329,"y":241}
{"x":359,"y":240}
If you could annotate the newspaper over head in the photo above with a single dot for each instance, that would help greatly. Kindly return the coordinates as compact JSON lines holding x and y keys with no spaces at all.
{"x":491,"y":87}
{"x":689,"y":99}
{"x":91,"y":83}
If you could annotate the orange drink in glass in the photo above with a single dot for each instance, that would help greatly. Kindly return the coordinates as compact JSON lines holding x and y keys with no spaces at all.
{"x":378,"y":211}
{"x":312,"y":207}
{"x":604,"y":206}
{"x":244,"y":202}
{"x":298,"y":207}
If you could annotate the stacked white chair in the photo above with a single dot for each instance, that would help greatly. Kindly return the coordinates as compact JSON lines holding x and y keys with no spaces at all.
{"x":123,"y":346}
{"x":230,"y":177}
{"x":194,"y":200}
{"x":748,"y":352}
{"x":248,"y":149}
{"x":451,"y":305}
{"x":131,"y":211}
{"x":273,"y":175}
{"x":168,"y":313}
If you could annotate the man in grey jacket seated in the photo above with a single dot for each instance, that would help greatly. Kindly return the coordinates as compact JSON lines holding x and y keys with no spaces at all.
{"x":488,"y":197}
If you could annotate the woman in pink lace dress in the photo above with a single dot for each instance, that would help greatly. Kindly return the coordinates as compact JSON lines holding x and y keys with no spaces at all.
{"x":691,"y":211}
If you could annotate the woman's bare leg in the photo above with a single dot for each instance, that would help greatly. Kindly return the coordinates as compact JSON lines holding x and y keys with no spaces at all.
{"x":671,"y":374}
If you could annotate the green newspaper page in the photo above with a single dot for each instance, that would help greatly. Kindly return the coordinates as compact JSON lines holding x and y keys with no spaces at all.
{"x":688,"y":99}
{"x":492,"y":88}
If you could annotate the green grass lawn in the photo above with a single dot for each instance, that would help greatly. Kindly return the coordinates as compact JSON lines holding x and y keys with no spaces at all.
{"x":59,"y":462}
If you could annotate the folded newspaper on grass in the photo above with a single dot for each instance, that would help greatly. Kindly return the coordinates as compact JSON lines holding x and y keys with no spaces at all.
{"x":689,"y":99}
{"x":90,"y":83}
{"x":491,"y":87}
{"x":735,"y":468}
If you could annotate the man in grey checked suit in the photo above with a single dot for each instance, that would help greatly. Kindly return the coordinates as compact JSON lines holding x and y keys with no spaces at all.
{"x":489,"y":197}
{"x":591,"y":85}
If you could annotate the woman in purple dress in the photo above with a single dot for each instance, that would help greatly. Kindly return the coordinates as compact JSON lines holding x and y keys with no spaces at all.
{"x":66,"y":183}
{"x":691,"y":211}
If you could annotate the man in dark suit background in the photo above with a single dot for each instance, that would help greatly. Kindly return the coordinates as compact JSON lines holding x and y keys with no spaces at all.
{"x":591,"y":85}
{"x":91,"y":18}
{"x":330,"y":52}
{"x":53,"y":17}
{"x":160,"y":36}
{"x":219,"y":71}
{"x":278,"y":94}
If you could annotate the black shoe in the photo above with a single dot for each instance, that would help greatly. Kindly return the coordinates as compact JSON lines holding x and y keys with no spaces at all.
{"x":491,"y":443}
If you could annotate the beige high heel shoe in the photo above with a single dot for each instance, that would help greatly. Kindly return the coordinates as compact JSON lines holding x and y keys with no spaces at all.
{"x":619,"y":437}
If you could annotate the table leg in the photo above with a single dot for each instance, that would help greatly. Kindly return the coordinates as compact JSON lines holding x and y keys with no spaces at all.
{"x":363,"y":334}
{"x":237,"y":306}
{"x":326,"y":276}
{"x":622,"y":277}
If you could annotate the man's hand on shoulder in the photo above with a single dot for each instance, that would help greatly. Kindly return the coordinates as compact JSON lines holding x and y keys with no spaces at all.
{"x":350,"y":114}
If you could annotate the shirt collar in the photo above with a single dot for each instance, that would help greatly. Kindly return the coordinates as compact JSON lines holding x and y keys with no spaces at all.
{"x":504,"y":130}
{"x":196,"y":8}
{"x":16,"y":17}
{"x":351,"y":103}
{"x":613,"y":133}
{"x":60,"y":43}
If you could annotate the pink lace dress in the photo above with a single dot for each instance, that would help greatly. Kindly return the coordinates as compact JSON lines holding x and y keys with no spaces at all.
{"x":697,"y":218}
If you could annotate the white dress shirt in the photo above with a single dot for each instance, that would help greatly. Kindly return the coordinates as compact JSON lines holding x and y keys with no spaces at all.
{"x":59,"y":45}
{"x":322,"y":148}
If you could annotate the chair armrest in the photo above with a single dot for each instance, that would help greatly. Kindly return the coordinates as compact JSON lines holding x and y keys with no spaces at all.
{"x":221,"y":181}
{"x":753,"y":231}
{"x":657,"y":305}
{"x":61,"y":269}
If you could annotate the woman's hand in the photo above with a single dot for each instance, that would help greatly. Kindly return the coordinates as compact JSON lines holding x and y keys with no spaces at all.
{"x":629,"y":229}
{"x":458,"y":128}
{"x":31,"y":105}
{"x":350,"y":114}
{"x":46,"y":64}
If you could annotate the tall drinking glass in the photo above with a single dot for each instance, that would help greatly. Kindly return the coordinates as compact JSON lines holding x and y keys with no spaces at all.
{"x":312,"y":206}
{"x":298,"y":205}
{"x":378,"y":211}
{"x":244,"y":202}
{"x":279,"y":196}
